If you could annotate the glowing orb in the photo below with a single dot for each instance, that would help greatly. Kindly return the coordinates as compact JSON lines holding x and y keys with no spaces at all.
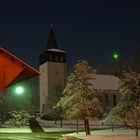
{"x":115,"y":56}
{"x":19,"y":90}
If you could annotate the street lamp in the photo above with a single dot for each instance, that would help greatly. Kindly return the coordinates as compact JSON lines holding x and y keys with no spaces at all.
{"x":19,"y":90}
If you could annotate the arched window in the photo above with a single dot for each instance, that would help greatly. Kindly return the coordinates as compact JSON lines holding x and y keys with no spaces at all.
{"x":106,"y":98}
{"x":114,"y":100}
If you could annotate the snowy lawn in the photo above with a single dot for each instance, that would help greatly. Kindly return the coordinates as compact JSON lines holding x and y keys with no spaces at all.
{"x":16,"y":130}
{"x":117,"y":132}
{"x":31,"y":136}
{"x":50,"y":126}
{"x":68,"y":125}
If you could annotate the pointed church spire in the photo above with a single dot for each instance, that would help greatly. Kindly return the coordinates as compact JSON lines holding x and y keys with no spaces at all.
{"x":52,"y":44}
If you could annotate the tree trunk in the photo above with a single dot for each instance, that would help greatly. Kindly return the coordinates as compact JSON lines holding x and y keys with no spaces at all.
{"x":77,"y":128}
{"x":61,"y":124}
{"x":2,"y":118}
{"x":136,"y":131}
{"x":112,"y":127}
{"x":86,"y":123}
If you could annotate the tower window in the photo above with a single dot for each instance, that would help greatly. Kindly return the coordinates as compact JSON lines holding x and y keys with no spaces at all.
{"x":56,"y":58}
{"x":43,"y":106}
{"x":56,"y":72}
{"x":61,"y":59}
{"x":51,"y":58}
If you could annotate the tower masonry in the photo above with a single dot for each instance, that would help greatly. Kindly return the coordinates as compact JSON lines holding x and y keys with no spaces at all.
{"x":52,"y":70}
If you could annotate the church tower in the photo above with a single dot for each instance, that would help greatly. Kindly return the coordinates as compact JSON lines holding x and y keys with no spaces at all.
{"x":52,"y":71}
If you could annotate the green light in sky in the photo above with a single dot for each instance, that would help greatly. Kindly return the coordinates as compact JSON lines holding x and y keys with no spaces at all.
{"x":115,"y":56}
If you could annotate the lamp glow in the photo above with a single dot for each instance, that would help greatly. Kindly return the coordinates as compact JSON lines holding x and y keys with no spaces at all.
{"x":19,"y":90}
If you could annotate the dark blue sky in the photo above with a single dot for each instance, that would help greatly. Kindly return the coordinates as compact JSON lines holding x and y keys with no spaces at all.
{"x":89,"y":29}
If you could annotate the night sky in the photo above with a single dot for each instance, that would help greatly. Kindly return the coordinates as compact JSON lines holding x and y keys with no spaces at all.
{"x":87,"y":29}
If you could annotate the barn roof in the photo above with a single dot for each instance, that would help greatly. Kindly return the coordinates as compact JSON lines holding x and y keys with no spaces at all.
{"x":13,"y":69}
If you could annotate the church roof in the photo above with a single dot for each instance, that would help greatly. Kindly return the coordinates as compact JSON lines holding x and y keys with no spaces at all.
{"x":104,"y":82}
{"x":13,"y":69}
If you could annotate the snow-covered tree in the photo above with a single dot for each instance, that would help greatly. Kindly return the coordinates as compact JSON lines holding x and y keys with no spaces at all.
{"x":112,"y":117}
{"x":79,"y":100}
{"x":10,"y":101}
{"x":19,"y":118}
{"x":128,"y":109}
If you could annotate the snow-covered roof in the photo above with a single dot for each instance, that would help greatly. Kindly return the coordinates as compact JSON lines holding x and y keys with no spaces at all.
{"x":55,"y":50}
{"x":104,"y":82}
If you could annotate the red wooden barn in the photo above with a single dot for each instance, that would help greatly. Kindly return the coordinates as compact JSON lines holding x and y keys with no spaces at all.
{"x":13,"y":70}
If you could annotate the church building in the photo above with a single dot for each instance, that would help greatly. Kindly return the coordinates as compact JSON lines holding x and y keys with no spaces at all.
{"x":53,"y":73}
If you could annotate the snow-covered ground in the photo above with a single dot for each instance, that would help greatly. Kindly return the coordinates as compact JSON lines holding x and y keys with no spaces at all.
{"x":67,"y":125}
{"x":50,"y":126}
{"x":15,"y":130}
{"x":118,"y":134}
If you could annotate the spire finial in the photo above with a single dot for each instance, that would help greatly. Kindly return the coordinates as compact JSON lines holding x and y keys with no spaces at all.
{"x":51,"y":26}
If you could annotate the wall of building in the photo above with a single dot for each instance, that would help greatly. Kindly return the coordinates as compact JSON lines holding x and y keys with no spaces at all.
{"x":111,"y":97}
{"x":52,"y":81}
